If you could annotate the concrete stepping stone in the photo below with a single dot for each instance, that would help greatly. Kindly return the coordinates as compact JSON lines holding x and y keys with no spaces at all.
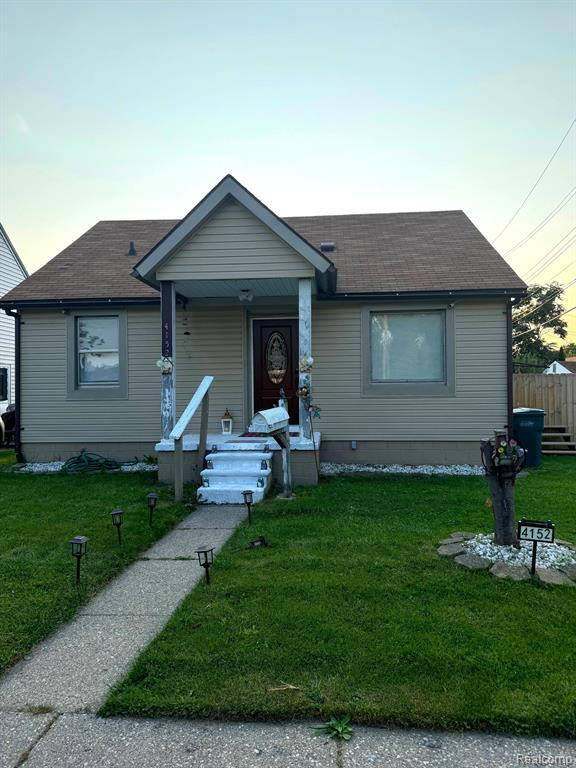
{"x":513,"y":572}
{"x":551,"y":576}
{"x":451,"y":550}
{"x":569,"y":570}
{"x":472,"y":562}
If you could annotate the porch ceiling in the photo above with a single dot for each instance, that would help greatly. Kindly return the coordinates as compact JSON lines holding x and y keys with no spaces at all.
{"x":216,"y":289}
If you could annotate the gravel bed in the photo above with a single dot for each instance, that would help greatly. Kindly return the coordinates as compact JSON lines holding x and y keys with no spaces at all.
{"x":548,"y":555}
{"x":331,"y":469}
{"x":49,"y":467}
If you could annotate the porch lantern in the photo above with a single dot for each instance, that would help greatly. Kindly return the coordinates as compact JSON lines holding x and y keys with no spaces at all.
{"x":152,"y":500}
{"x":205,"y":556}
{"x":78,"y":545}
{"x":248,"y":500}
{"x":117,"y":520}
{"x":227,"y":422}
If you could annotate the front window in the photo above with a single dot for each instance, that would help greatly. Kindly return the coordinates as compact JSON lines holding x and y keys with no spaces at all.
{"x":97,"y":351}
{"x":408,"y":346}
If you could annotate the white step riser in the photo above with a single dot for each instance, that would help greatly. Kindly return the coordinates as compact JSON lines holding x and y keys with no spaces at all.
{"x":239,"y":462}
{"x":226,"y":495}
{"x":242,"y":467}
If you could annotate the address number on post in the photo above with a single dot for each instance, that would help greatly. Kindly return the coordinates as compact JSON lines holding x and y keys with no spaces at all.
{"x":536,"y":530}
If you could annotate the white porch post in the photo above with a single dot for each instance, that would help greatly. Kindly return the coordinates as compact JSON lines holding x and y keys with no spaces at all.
{"x":168,"y":317}
{"x":304,"y":350}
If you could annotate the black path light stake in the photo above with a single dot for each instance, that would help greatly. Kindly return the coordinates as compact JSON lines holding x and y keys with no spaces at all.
{"x":538,"y":532}
{"x":206,"y":558}
{"x":118,"y":519}
{"x":78,"y":544}
{"x":248,"y":500}
{"x":152,"y":499}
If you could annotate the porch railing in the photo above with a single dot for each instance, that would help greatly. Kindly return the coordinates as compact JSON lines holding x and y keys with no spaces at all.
{"x":200,"y":397}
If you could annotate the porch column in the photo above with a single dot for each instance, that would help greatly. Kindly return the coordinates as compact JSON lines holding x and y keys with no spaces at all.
{"x":304,"y":350}
{"x":168,"y":317}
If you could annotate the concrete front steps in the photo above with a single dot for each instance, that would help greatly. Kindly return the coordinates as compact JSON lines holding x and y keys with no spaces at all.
{"x":557,"y":441}
{"x":228,"y":473}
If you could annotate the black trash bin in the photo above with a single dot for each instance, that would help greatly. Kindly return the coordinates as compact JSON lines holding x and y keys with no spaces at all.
{"x":528,"y":426}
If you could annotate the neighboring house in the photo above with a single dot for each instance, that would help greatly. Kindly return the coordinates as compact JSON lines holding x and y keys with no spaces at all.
{"x":408,"y":316}
{"x":562,"y":366}
{"x":12,"y":272}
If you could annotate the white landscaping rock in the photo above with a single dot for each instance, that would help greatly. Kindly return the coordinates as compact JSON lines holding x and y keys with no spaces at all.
{"x":332,"y":469}
{"x":49,"y":467}
{"x":547,"y":556}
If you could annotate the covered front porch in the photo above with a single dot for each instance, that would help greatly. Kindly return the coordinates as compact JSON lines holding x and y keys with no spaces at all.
{"x":237,"y":287}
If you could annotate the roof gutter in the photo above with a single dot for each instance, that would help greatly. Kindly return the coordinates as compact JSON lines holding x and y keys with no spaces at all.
{"x":64,"y":303}
{"x":17,"y":386}
{"x":481,"y":293}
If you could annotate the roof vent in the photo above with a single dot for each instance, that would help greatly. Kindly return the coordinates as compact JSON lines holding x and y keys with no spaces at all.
{"x":132,"y":249}
{"x":327,"y":247}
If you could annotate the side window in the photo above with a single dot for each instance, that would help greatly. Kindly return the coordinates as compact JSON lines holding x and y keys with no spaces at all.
{"x":97,"y":356}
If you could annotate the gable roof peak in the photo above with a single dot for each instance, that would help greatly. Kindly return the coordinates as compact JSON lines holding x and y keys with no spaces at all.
{"x":227,"y":187}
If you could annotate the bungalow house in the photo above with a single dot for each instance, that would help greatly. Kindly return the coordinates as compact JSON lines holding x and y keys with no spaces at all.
{"x":12,"y":272}
{"x":397,"y":326}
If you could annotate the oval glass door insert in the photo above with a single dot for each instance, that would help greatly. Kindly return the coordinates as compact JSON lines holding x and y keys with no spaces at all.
{"x":276,"y":358}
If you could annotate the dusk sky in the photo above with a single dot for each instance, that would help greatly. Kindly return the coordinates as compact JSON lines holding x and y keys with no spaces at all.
{"x":119,"y":110}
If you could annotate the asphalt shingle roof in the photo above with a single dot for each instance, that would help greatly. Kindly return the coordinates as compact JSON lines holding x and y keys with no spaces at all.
{"x":375,"y":253}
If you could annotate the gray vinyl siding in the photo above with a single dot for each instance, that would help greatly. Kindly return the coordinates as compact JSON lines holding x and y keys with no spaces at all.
{"x":234,"y":244}
{"x":10,"y":275}
{"x":214,"y":340}
{"x":213,"y":346}
{"x":479,"y":403}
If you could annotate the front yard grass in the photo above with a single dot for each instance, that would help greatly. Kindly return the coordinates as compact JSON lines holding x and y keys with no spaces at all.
{"x":350,"y":611}
{"x":39,"y":514}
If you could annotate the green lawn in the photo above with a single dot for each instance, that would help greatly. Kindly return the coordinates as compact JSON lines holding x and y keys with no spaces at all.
{"x":39,"y":514}
{"x":350,"y":611}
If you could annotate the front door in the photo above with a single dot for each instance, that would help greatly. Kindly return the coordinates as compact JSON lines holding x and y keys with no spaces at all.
{"x":276,"y":364}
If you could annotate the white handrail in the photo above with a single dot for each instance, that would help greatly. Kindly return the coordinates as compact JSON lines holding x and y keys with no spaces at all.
{"x":191,"y":408}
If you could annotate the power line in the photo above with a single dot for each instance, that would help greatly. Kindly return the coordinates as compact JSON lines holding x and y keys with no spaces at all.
{"x":553,"y":258}
{"x":562,"y":270}
{"x":564,"y":202}
{"x":554,"y":247}
{"x":566,"y":311}
{"x":551,"y":297}
{"x":523,"y":203}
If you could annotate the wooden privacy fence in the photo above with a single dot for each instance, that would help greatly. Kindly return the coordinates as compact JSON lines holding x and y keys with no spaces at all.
{"x":555,"y":393}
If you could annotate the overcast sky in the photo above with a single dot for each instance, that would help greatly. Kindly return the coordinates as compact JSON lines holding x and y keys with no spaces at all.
{"x":118,"y":110}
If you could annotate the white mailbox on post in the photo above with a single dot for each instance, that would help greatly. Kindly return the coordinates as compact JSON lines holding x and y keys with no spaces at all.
{"x":269,"y":421}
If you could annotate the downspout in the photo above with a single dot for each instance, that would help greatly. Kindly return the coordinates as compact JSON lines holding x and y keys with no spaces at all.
{"x":509,"y":372}
{"x":17,"y":388}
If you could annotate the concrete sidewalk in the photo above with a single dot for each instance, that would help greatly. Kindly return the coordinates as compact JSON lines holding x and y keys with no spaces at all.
{"x":73,"y":670}
{"x":86,"y":741}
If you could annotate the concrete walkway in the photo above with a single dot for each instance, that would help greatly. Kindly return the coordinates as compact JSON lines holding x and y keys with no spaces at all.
{"x":71,"y":672}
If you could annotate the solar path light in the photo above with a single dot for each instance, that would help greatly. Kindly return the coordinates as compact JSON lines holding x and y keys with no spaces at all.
{"x":205,"y":558}
{"x":78,"y":544}
{"x":248,"y":499}
{"x":117,"y":519}
{"x":152,"y":500}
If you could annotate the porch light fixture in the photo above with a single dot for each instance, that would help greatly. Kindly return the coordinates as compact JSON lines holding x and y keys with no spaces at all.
{"x":227,"y":422}
{"x":152,"y":500}
{"x":117,"y":520}
{"x":78,"y":545}
{"x":205,"y":556}
{"x":248,"y":500}
{"x":245,"y":295}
